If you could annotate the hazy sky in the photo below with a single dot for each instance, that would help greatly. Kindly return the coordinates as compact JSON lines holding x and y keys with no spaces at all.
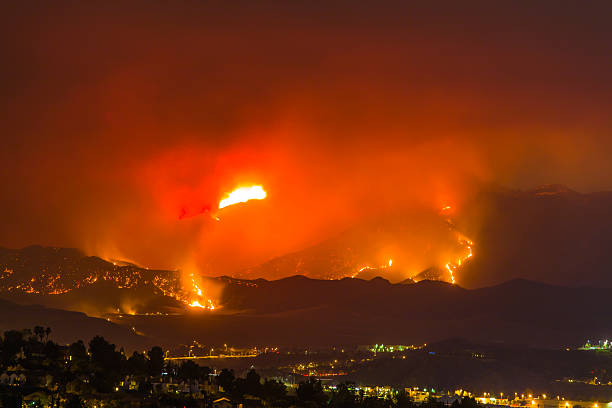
{"x":119,"y":116}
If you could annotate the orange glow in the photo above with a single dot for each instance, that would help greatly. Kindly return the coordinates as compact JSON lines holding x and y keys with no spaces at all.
{"x":332,"y":149}
{"x":196,"y":303}
{"x":450,"y":266}
{"x":242,"y":195}
{"x":201,"y":301}
{"x":367,"y":267}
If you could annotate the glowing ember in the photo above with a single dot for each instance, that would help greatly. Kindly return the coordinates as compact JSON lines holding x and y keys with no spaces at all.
{"x":450,"y":266}
{"x":242,"y":195}
{"x":201,"y":301}
{"x":365,"y":268}
{"x":209,"y":305}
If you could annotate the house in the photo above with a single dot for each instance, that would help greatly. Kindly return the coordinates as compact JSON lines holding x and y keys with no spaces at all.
{"x":223,"y":402}
{"x":12,"y":379}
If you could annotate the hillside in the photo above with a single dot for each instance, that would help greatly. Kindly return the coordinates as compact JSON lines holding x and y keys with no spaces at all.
{"x":68,"y":279}
{"x":414,"y":240}
{"x":549,"y":234}
{"x":302,"y":311}
{"x":67,"y":326}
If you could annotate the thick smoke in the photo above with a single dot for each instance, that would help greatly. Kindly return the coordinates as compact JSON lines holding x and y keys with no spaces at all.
{"x":119,"y":121}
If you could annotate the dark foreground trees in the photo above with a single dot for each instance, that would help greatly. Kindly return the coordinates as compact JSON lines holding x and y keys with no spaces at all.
{"x":310,"y":393}
{"x":44,"y":373}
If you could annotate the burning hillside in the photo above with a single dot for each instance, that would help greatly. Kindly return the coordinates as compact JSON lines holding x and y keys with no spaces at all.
{"x":61,"y":272}
{"x":398,"y":247}
{"x":415,"y":247}
{"x":43,"y":271}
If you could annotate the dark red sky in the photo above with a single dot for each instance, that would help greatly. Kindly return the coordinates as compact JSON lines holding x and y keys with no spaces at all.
{"x":117,"y":117}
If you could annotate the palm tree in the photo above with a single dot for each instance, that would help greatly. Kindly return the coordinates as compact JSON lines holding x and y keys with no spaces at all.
{"x":39,"y":331}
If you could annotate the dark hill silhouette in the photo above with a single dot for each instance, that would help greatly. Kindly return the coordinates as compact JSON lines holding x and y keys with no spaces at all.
{"x":302,"y":311}
{"x":67,"y":326}
{"x":433,"y":273}
{"x":307,"y":312}
{"x":550,"y":234}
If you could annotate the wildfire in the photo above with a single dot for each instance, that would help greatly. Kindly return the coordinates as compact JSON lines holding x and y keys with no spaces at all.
{"x":466,"y":243}
{"x":367,"y":267}
{"x":452,"y":267}
{"x":242,"y":195}
{"x":209,"y":305}
{"x":197,"y":290}
{"x":449,"y":268}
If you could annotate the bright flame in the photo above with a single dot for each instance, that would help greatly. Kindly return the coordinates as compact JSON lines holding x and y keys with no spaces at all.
{"x":242,"y":195}
{"x":195,"y":303}
{"x":208,"y":304}
{"x":452,"y":267}
{"x":449,"y":268}
{"x":367,"y":267}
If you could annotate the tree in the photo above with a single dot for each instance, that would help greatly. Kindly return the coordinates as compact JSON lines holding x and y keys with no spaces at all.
{"x":403,"y":400}
{"x":156,"y":361}
{"x":107,"y":364}
{"x":252,"y":383}
{"x":375,"y":402}
{"x":39,"y":331}
{"x":273,"y":391}
{"x":52,"y":351}
{"x":77,"y":351}
{"x":432,"y":403}
{"x":468,"y":402}
{"x":311,"y":390}
{"x":138,"y":365}
{"x":12,"y":344}
{"x":225,"y":379}
{"x":238,"y":388}
{"x":78,"y":358}
{"x":189,"y":371}
{"x":343,"y":397}
{"x":74,"y":402}
{"x":102,"y":352}
{"x":204,"y":372}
